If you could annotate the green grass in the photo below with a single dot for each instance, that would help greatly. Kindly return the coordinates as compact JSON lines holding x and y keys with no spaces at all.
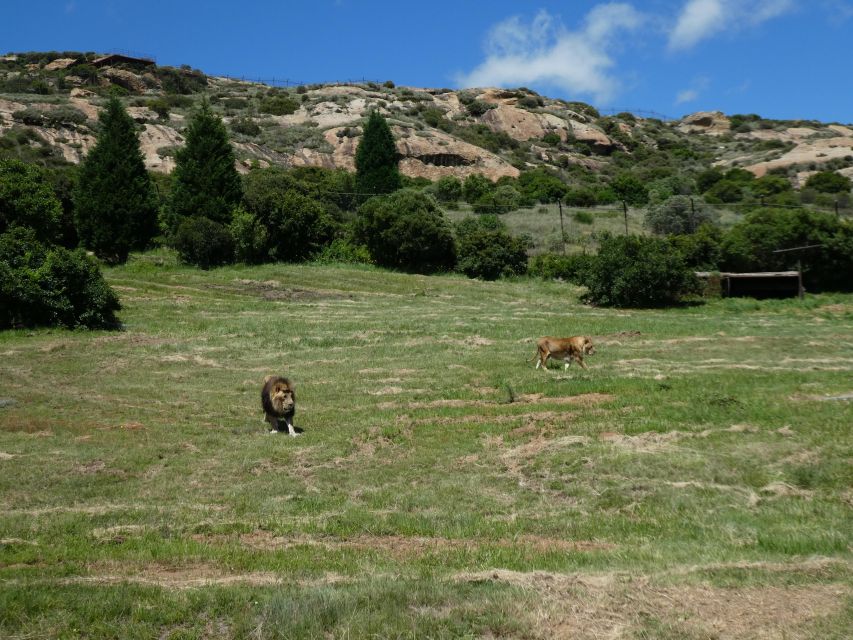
{"x":697,"y":473}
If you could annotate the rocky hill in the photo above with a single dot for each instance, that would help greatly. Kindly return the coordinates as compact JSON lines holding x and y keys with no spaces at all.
{"x":49,"y":105}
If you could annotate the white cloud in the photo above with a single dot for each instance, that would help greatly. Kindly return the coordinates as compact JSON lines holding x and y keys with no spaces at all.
{"x":702,"y":19}
{"x":688,"y":95}
{"x":698,"y":85}
{"x":544,"y":51}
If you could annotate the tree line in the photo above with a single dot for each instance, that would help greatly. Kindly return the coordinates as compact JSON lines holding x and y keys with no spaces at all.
{"x":212,"y":216}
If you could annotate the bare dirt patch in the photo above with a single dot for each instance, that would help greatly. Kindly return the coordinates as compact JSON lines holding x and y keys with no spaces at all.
{"x":613,"y":605}
{"x":273,"y":290}
{"x":584,"y":399}
{"x":408,"y":546}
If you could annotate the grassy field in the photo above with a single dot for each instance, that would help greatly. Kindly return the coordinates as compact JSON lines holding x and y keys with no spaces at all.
{"x":695,"y":482}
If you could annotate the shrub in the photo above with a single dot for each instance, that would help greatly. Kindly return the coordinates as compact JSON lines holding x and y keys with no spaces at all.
{"x":551,"y":139}
{"x":448,"y":189}
{"x":678,"y":215}
{"x":636,"y":271}
{"x":828,"y":182}
{"x":724,"y":191}
{"x":204,"y":243}
{"x":701,"y":250}
{"x":297,"y":226}
{"x":182,"y":81}
{"x":43,"y":285}
{"x":539,"y":185}
{"x":630,"y":190}
{"x":406,"y":230}
{"x":584,"y":217}
{"x":750,"y":244}
{"x":160,"y":107}
{"x":478,"y":107}
{"x":251,"y":239}
{"x":344,"y":251}
{"x":553,"y":266}
{"x":245,"y":125}
{"x":278,"y":105}
{"x":770,"y":185}
{"x":475,"y":187}
{"x":26,"y":200}
{"x":580,"y":197}
{"x":708,"y":179}
{"x":487,"y":250}
{"x":61,"y":116}
{"x":503,"y":199}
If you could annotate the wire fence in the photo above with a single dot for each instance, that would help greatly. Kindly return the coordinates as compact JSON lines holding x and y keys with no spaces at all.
{"x":286,"y":82}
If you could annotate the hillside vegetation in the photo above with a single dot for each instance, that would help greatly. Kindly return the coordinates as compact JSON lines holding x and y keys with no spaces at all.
{"x":49,"y":104}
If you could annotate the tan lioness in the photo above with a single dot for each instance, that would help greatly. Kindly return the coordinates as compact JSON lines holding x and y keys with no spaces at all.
{"x":566,"y":349}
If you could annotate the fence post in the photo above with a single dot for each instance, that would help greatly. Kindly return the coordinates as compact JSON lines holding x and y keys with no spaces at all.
{"x":625,"y":211}
{"x":562,"y":231}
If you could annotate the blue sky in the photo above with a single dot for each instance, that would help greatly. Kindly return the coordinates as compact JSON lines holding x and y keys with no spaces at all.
{"x":778,"y":58}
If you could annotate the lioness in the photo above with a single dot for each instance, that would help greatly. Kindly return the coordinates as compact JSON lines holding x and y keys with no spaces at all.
{"x":278,"y":398}
{"x":566,"y":348}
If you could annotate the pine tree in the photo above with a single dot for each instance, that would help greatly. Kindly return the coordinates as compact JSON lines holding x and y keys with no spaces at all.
{"x":204,"y":182}
{"x":115,"y":207}
{"x":376,"y":158}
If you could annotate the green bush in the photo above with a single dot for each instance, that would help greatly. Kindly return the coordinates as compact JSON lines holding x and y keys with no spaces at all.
{"x":344,"y":251}
{"x":724,"y":191}
{"x":245,"y":126}
{"x":297,"y":226}
{"x":183,"y":81}
{"x":583,"y":217}
{"x":487,"y":250}
{"x":448,"y":189}
{"x":61,"y":116}
{"x":701,"y":250}
{"x":43,"y":285}
{"x":503,"y":199}
{"x":406,"y":230}
{"x":637,"y":271}
{"x":475,"y":187}
{"x":580,"y":197}
{"x":678,"y":215}
{"x":26,"y":200}
{"x":630,"y":189}
{"x":251,"y":239}
{"x":478,"y":107}
{"x":750,"y":246}
{"x":204,"y":243}
{"x":555,"y":266}
{"x":828,"y":182}
{"x":278,"y":105}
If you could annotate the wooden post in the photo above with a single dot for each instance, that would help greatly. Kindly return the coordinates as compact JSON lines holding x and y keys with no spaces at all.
{"x":625,"y":211}
{"x":800,"y":279}
{"x":562,"y":231}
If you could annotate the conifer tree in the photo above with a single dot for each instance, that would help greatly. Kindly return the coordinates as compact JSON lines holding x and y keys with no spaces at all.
{"x":115,"y":207}
{"x":204,"y":182}
{"x":376,"y":158}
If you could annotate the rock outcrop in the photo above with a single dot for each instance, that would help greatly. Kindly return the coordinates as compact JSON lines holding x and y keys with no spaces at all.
{"x":709,"y":122}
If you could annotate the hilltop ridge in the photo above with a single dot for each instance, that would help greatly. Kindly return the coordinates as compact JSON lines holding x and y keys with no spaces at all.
{"x":49,"y":104}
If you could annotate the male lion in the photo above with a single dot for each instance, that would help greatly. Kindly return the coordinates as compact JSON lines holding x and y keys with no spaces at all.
{"x":566,"y":348}
{"x":278,"y":399}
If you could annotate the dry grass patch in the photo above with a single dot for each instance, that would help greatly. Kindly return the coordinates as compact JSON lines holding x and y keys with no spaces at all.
{"x":614,"y":605}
